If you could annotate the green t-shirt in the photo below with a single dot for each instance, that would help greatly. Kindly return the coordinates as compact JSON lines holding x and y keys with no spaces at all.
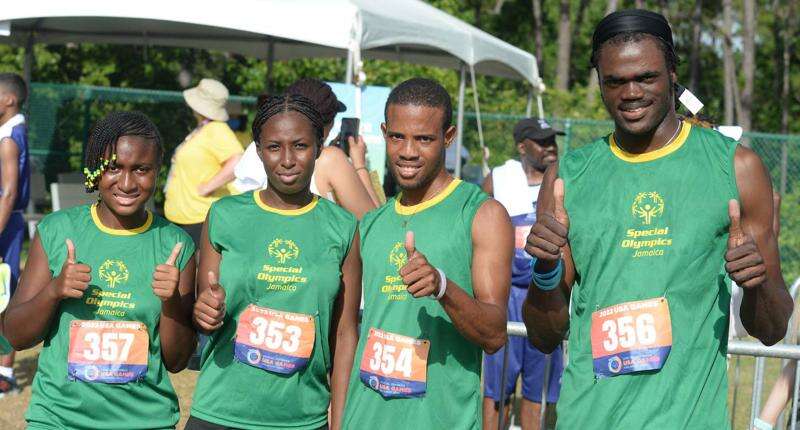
{"x":645,"y":227}
{"x":122,"y":263}
{"x":443,"y":233}
{"x":286,"y":261}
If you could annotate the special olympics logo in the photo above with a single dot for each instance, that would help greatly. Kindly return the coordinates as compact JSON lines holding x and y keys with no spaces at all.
{"x":373,"y":382}
{"x":398,"y":256}
{"x":614,"y":364}
{"x":114,"y":272}
{"x":91,"y":373}
{"x":283,"y":249}
{"x":647,"y":206}
{"x":253,"y":356}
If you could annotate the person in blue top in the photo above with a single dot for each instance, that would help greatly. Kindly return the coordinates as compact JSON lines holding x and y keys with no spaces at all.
{"x":14,"y":194}
{"x":515,"y":184}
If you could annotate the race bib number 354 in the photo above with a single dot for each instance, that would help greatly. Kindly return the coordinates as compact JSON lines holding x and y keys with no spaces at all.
{"x":395,"y":365}
{"x":631,"y":337}
{"x":111,"y":352}
{"x":276,"y":341}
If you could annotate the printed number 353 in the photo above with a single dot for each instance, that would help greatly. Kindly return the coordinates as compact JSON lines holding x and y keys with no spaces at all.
{"x":272,"y":333}
{"x":626,"y":332}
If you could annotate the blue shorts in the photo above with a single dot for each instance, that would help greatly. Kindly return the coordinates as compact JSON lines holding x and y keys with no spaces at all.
{"x":11,"y":245}
{"x":523,"y":358}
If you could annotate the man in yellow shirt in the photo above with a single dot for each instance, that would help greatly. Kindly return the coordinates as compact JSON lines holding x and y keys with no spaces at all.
{"x":202,"y":166}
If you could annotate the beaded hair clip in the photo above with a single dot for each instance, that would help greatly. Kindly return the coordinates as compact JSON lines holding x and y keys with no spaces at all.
{"x":92,"y":177}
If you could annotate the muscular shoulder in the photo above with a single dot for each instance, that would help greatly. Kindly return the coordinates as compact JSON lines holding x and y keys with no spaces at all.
{"x":746,"y":161}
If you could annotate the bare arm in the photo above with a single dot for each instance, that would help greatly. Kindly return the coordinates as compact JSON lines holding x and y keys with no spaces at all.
{"x":480,"y":319}
{"x":27,"y":318}
{"x":226,"y":174}
{"x":348,"y":188}
{"x":344,"y":327}
{"x":175,"y":327}
{"x":546,"y":313}
{"x":209,"y":309}
{"x":9,"y":178}
{"x":358,"y":155}
{"x":753,"y":259}
{"x":488,"y":185}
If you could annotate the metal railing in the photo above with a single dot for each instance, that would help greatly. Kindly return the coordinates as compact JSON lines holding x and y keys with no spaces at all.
{"x":735,"y":347}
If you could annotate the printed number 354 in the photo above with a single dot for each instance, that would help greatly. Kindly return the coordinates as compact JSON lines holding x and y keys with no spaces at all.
{"x":385,"y":360}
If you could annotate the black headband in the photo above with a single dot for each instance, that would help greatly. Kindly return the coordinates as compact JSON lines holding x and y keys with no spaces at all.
{"x":632,"y":21}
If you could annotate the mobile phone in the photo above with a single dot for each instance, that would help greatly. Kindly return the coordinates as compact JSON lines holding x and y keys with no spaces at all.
{"x":348,"y":128}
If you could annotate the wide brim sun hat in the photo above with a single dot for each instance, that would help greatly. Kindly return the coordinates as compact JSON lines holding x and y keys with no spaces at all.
{"x":208,"y":99}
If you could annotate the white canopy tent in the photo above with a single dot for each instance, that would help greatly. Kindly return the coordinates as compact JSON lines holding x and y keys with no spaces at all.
{"x":400,"y":30}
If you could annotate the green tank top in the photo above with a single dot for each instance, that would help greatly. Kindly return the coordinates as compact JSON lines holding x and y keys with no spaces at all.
{"x":650,"y":226}
{"x":283,"y":260}
{"x":443,"y":233}
{"x":122,"y":263}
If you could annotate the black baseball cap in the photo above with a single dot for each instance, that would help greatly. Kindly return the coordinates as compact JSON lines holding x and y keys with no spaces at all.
{"x":534,"y":129}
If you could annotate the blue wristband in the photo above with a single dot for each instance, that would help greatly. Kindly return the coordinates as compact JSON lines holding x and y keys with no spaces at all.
{"x":546,"y":281}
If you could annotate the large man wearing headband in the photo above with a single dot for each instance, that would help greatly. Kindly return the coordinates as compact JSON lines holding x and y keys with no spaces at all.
{"x":437,"y":265}
{"x":635,"y":229}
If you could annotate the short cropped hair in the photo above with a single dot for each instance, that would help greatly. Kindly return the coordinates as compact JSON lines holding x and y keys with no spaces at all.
{"x":422,"y":92}
{"x":16,"y":85}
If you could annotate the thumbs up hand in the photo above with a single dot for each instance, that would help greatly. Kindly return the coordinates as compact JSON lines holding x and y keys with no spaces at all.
{"x":167,"y":275}
{"x":551,"y":230}
{"x":744,"y":262}
{"x":74,"y":277}
{"x":421,"y":278}
{"x":209,"y":309}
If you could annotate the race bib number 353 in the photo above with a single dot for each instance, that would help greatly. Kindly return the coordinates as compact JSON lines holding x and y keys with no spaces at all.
{"x":276,"y":341}
{"x":631,"y":337}
{"x":111,"y":352}
{"x":395,"y":365}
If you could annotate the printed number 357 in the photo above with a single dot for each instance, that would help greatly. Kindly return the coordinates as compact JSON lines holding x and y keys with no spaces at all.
{"x":107,"y":346}
{"x":626,"y":332}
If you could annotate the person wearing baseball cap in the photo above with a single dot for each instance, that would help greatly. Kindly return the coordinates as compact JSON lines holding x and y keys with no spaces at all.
{"x":202,"y":166}
{"x":515,"y":184}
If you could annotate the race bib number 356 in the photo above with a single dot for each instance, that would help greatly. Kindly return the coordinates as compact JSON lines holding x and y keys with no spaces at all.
{"x":276,"y":341}
{"x":111,"y":352}
{"x":631,"y":337}
{"x":395,"y":365}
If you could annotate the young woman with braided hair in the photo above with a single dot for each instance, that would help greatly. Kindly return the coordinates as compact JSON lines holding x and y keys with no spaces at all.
{"x":108,"y":288}
{"x":279,"y":287}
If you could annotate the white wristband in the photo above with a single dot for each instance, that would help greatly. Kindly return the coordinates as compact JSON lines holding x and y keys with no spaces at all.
{"x":442,"y":284}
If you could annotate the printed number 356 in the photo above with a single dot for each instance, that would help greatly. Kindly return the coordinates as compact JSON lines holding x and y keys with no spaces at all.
{"x":384,"y":359}
{"x":625,"y":332}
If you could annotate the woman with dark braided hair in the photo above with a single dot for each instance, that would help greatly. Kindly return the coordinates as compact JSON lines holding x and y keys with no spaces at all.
{"x":278,"y":290}
{"x":109,"y":289}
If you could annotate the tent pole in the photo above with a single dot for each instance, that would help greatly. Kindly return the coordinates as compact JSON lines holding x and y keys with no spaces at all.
{"x":460,"y":119}
{"x":529,"y":105}
{"x":484,"y":166}
{"x":348,"y":70}
{"x":539,"y":104}
{"x":270,"y":64}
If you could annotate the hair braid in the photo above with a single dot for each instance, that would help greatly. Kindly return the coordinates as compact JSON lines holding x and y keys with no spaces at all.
{"x":288,"y":103}
{"x":102,"y":146}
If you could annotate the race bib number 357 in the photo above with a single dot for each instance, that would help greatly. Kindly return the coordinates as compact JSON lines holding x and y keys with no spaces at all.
{"x":395,"y":365}
{"x":276,"y":341}
{"x":631,"y":337}
{"x":111,"y":352}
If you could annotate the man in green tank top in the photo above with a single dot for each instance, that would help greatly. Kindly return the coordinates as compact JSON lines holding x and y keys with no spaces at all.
{"x":436,"y":270}
{"x":633,"y":232}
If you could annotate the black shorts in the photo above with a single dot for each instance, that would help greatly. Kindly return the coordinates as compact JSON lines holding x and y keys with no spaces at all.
{"x":198,"y":424}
